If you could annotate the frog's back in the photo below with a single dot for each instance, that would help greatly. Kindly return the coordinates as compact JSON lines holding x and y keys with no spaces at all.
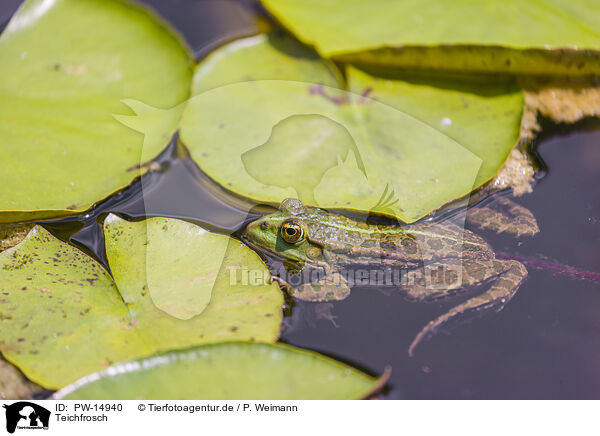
{"x":448,"y":240}
{"x":359,"y":240}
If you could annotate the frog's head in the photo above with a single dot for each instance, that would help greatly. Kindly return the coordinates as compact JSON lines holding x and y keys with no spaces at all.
{"x":284,"y":233}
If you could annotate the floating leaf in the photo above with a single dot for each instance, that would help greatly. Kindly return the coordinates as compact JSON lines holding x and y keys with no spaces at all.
{"x":424,"y":167}
{"x":314,"y":143}
{"x":65,"y":66}
{"x":270,"y":56}
{"x":181,"y":260}
{"x":149,"y":253}
{"x":423,"y":140}
{"x":231,"y":371}
{"x":63,"y":317}
{"x":481,"y":113}
{"x":542,"y":37}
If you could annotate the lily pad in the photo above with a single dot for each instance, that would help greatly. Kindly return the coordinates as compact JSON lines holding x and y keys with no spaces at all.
{"x":232,"y":371}
{"x":268,"y":56}
{"x":65,"y":66}
{"x":182,"y":262}
{"x":481,"y":113}
{"x":144,"y":256}
{"x":541,"y":37}
{"x":423,"y":166}
{"x":63,"y":316}
{"x":273,"y":139}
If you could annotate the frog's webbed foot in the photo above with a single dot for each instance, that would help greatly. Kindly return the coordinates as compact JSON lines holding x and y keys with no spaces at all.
{"x":329,"y":288}
{"x":282,"y":283}
{"x":323,"y":311}
{"x":504,"y":216}
{"x":511,"y":274}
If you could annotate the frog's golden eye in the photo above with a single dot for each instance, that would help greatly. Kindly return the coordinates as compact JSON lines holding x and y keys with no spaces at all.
{"x":291,"y":232}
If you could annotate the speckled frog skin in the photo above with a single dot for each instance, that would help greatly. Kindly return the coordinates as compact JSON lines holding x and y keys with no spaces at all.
{"x":332,"y":242}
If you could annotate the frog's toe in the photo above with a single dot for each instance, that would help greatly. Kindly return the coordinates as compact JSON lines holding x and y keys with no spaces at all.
{"x":324,"y":311}
{"x":282,"y":283}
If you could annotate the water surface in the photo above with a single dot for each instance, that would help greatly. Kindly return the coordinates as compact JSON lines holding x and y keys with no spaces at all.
{"x":544,"y":344}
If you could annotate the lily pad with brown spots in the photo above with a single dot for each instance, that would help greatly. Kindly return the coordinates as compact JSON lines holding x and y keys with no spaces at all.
{"x":62,"y":315}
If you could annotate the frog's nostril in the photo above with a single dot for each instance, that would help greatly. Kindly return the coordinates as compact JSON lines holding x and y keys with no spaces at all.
{"x":264,"y":225}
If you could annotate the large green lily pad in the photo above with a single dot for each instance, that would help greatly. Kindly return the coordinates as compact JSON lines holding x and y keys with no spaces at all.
{"x":424,"y":167}
{"x":65,"y":66}
{"x":538,"y":37}
{"x":481,"y":113}
{"x":144,"y":256}
{"x":62,"y":316}
{"x":232,"y":371}
{"x":181,"y":261}
{"x":268,"y":56}
{"x":304,"y":137}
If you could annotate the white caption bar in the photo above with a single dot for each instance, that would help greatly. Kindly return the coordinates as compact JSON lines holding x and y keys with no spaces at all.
{"x":300,"y":417}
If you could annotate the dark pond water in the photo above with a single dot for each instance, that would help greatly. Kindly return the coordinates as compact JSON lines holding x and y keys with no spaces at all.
{"x":544,"y":344}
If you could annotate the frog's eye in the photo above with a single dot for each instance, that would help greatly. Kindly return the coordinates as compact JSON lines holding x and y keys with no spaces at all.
{"x":291,"y":232}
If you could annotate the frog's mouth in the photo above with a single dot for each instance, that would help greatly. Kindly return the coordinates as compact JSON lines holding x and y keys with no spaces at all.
{"x":249,"y":235}
{"x":256,"y":246}
{"x":247,"y":241}
{"x":270,"y":258}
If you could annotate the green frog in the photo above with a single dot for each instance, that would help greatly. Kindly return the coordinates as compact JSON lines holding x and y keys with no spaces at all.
{"x":436,"y":260}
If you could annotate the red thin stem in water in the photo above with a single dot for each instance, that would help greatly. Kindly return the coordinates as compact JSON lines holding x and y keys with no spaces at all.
{"x":552,"y":266}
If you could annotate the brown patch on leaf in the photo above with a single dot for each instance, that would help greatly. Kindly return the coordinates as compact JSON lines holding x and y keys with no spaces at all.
{"x":149,"y":166}
{"x":12,"y":234}
{"x":516,"y":173}
{"x":562,"y":99}
{"x":75,"y":70}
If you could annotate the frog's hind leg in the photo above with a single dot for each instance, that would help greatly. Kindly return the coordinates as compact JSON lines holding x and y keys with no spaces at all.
{"x":504,"y":216}
{"x":509,"y":274}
